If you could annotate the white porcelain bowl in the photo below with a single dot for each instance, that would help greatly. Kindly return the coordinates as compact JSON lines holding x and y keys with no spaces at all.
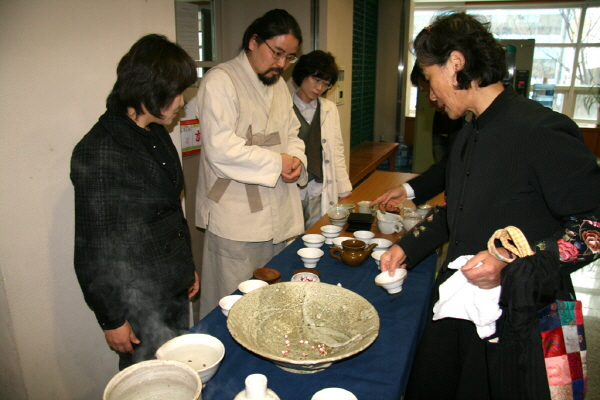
{"x":313,"y":240}
{"x":202,"y":352}
{"x":377,"y":256}
{"x":330,"y":232}
{"x":393,"y":284}
{"x":250,"y":285}
{"x":338,"y":212}
{"x":226,"y":302}
{"x":338,"y":222}
{"x":310,"y":256}
{"x":155,"y":379}
{"x":382,"y":244}
{"x":338,"y":240}
{"x":333,"y":394}
{"x":364,"y":235}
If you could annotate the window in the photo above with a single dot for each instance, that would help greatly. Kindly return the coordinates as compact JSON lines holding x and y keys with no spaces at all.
{"x":567,"y":46}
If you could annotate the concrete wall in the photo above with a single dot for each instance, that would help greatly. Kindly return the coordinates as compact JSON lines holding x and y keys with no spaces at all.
{"x":58,"y":65}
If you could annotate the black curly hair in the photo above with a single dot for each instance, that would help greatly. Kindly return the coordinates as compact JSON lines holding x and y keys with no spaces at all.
{"x":317,"y":63}
{"x":484,"y":55}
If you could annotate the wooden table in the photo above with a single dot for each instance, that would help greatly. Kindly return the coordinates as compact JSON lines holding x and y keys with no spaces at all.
{"x":370,"y":189}
{"x":367,"y":156}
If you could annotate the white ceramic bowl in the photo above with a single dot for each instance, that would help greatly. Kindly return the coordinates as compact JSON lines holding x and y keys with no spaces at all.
{"x":338,"y":212}
{"x":364,"y":235}
{"x":313,"y":240}
{"x":202,"y":352}
{"x":310,"y":256}
{"x":382,"y":244}
{"x":338,"y":222}
{"x":393,"y":284}
{"x":338,"y":240}
{"x":330,"y":232}
{"x":333,"y":394}
{"x":348,"y":206}
{"x":155,"y":379}
{"x":305,"y":277}
{"x":377,"y":256}
{"x":226,"y":302}
{"x":250,"y":285}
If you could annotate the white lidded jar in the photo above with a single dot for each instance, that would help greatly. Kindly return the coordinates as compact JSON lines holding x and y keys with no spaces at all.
{"x":256,"y":389}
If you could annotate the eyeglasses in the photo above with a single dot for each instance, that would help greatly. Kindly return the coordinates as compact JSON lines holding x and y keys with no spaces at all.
{"x":319,"y":81}
{"x":280,"y":55}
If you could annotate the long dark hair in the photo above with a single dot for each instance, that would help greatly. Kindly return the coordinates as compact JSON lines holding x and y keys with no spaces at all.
{"x":318,"y":64}
{"x":484,"y":55}
{"x":152,"y":73}
{"x":274,"y":23}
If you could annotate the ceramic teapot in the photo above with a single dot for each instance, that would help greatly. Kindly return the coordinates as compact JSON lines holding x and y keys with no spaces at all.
{"x":353,"y":252}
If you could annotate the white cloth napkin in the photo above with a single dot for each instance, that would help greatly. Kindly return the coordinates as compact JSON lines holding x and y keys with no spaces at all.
{"x":463,"y":300}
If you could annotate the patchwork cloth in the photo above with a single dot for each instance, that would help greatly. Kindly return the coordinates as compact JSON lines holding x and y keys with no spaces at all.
{"x":563,"y":342}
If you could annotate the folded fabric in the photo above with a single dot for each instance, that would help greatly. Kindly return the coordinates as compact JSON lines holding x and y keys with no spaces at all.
{"x":463,"y":300}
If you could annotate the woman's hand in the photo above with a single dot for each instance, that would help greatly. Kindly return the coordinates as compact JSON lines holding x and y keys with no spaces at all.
{"x":483,"y":270}
{"x":390,"y":200}
{"x":120,"y":339}
{"x":193,"y":289}
{"x":393,"y":258}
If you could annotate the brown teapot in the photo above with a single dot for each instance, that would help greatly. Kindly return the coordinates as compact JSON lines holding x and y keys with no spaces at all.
{"x":353,"y":252}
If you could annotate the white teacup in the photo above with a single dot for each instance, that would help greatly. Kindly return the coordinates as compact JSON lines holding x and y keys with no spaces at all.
{"x":377,"y":256}
{"x":228,"y":301}
{"x":393,"y":284}
{"x":388,"y":227}
{"x":310,"y":256}
{"x":363,"y":207}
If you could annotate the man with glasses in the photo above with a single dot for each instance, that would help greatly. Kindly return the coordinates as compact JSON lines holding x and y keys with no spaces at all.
{"x":328,"y":180}
{"x":252,"y":159}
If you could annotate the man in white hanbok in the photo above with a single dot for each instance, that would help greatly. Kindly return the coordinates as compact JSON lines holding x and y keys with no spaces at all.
{"x":252,"y":159}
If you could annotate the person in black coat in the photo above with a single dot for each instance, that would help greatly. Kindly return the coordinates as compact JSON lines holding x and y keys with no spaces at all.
{"x":132,"y":244}
{"x":517,"y":163}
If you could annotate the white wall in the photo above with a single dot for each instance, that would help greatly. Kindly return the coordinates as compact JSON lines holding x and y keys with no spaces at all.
{"x":58,"y":65}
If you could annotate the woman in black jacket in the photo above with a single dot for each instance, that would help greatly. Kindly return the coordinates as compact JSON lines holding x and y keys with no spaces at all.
{"x":132,"y":244}
{"x":517,"y":163}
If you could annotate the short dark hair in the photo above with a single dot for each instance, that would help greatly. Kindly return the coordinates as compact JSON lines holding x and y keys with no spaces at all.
{"x":274,"y":23}
{"x":318,"y":64}
{"x":416,"y":74}
{"x":470,"y":35}
{"x":152,"y":73}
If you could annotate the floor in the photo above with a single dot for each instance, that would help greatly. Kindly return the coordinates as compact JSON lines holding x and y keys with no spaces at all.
{"x":587,"y":288}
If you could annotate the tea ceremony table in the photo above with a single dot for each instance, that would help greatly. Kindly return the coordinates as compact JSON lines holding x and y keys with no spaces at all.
{"x":381,"y":370}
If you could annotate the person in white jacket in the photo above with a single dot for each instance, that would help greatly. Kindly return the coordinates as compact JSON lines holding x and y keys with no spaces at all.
{"x":328,"y":181}
{"x":247,"y":198}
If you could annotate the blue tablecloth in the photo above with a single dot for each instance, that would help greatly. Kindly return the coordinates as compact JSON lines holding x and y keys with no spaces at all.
{"x":378,"y":373}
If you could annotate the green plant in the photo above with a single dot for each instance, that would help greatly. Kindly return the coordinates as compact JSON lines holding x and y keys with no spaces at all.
{"x":593,"y":99}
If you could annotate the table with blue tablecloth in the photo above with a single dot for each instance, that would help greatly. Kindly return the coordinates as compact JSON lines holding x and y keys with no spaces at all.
{"x":378,"y":373}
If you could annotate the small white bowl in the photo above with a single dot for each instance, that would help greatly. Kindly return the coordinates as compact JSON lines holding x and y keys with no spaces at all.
{"x":333,"y":394}
{"x":310,"y":256}
{"x":364,"y":235}
{"x":305,"y":277}
{"x":393,"y":284}
{"x":313,"y":240}
{"x":338,"y":240}
{"x":226,"y":302}
{"x":377,"y":256}
{"x":382,"y":244}
{"x":338,"y":222}
{"x":202,"y":352}
{"x":338,"y":212}
{"x":250,"y":285}
{"x":330,"y":232}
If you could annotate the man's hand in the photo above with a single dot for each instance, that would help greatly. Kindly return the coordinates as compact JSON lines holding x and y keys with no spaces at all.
{"x":120,"y":339}
{"x":390,"y":200}
{"x":294,"y":173}
{"x":286,"y":163}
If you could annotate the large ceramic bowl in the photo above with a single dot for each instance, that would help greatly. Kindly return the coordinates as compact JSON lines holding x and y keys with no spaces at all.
{"x":303,"y":327}
{"x":202,"y":352}
{"x":155,"y":379}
